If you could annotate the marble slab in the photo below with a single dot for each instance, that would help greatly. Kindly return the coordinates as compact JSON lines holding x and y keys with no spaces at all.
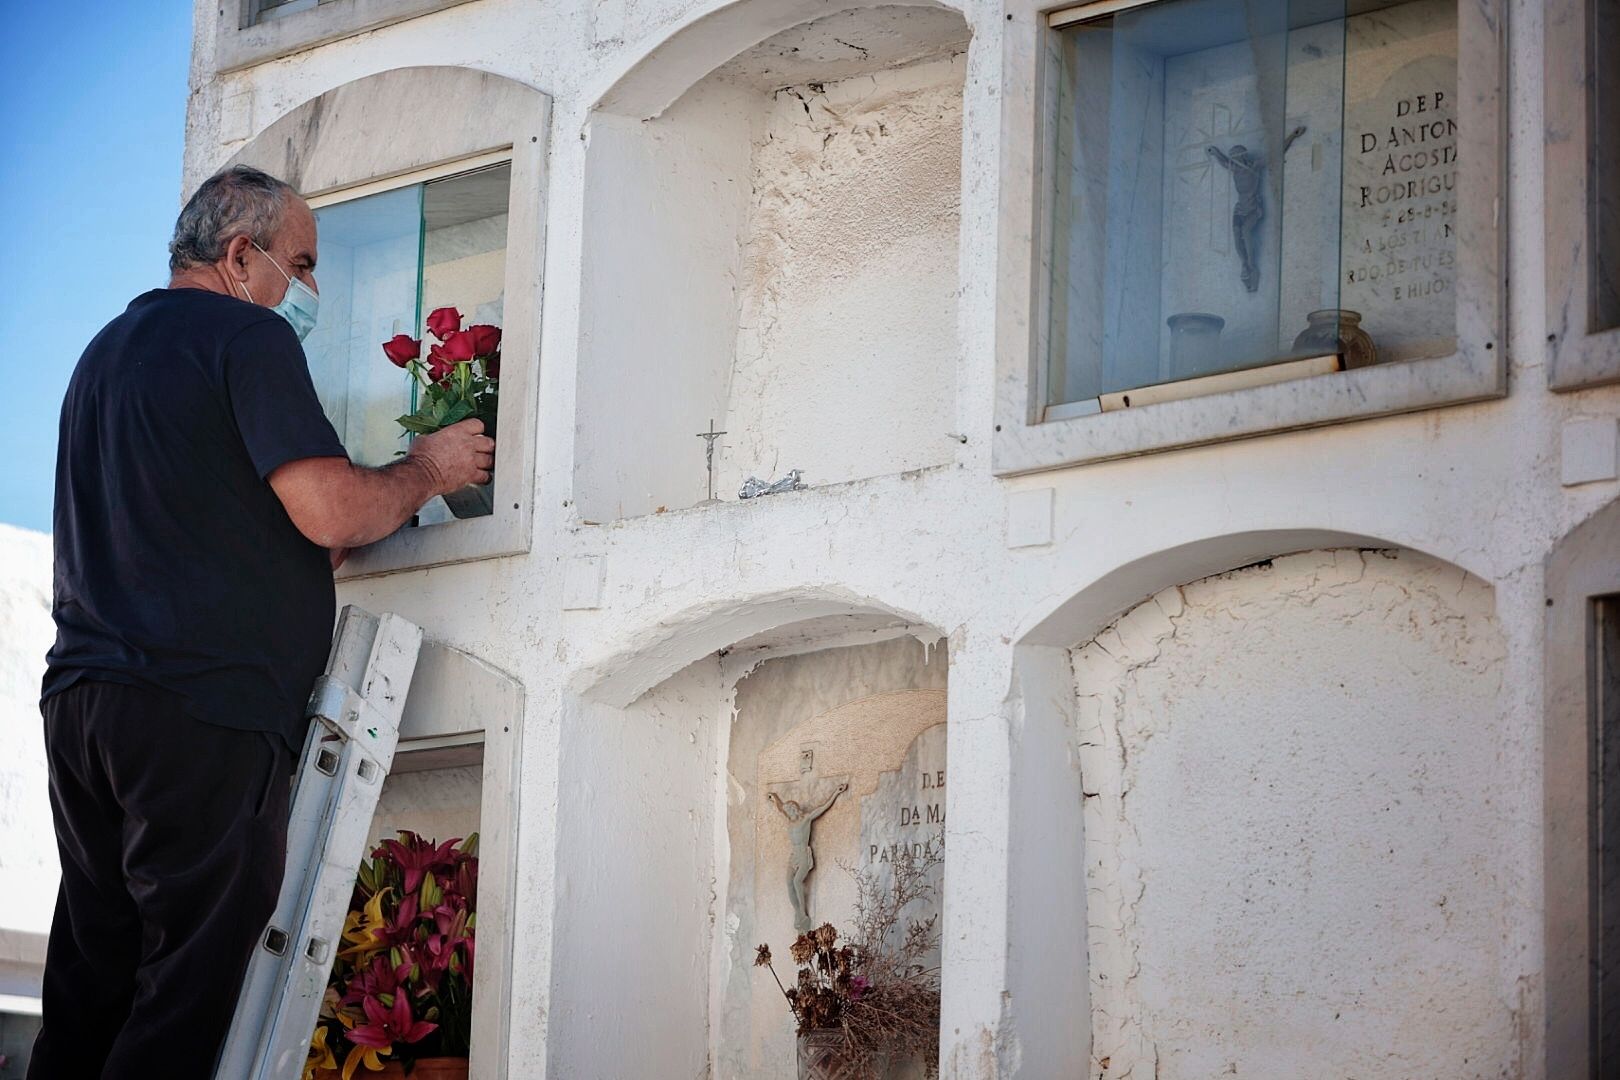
{"x":904,"y":818}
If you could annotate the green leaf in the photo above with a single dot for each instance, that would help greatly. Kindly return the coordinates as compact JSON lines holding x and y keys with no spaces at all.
{"x":458,"y":412}
{"x":417,"y":425}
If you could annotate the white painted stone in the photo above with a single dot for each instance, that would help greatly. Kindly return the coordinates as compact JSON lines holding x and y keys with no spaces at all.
{"x":236,"y":113}
{"x":1029,"y":517}
{"x":436,"y":804}
{"x":1287,"y":867}
{"x":582,"y":583}
{"x":1591,"y":450}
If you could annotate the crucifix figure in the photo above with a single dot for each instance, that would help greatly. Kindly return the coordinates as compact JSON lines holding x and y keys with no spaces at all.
{"x":708,"y":453}
{"x":1247,"y":169}
{"x":801,"y":858}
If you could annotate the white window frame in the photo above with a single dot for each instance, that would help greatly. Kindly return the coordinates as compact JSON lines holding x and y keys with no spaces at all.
{"x":1029,"y":437}
{"x":406,"y":126}
{"x":241,"y":39}
{"x":462,"y":711}
{"x":1576,"y":358}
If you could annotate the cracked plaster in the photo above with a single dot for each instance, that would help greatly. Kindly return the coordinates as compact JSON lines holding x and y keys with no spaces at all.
{"x":1283,"y":861}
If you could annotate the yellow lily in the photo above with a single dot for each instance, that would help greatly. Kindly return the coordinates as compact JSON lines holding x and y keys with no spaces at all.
{"x":320,"y":1055}
{"x":364,"y":936}
{"x":361,"y":1055}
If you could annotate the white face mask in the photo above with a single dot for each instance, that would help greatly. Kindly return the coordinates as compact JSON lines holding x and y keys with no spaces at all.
{"x":301,"y":306}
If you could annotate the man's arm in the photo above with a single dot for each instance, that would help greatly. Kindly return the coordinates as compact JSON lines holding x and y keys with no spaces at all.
{"x":337,"y":504}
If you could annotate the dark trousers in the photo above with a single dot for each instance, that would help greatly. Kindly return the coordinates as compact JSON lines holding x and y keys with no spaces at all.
{"x":173,"y":835}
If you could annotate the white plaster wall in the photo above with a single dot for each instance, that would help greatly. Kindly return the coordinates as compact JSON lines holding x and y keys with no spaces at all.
{"x":1476,"y":485}
{"x":663,"y":228}
{"x":846,"y":349}
{"x":28,"y":864}
{"x":636,"y":886}
{"x":436,"y":804}
{"x":1294,"y":846}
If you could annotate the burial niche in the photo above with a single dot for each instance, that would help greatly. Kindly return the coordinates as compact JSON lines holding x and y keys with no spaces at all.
{"x":1261,"y":187}
{"x":1297,"y":833}
{"x":838,"y":769}
{"x":776,"y":253}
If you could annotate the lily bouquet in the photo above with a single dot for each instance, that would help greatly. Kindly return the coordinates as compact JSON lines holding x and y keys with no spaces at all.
{"x":401,"y":986}
{"x":459,"y":377}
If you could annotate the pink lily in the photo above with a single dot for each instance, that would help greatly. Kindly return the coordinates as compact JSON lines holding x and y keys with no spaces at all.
{"x":417,"y":857}
{"x":385,"y":1026}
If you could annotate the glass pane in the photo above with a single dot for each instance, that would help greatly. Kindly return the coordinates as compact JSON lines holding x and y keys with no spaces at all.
{"x":1604,"y":155}
{"x":464,"y":244}
{"x":274,"y":9}
{"x":367,"y":271}
{"x":1401,"y":113}
{"x":1243,"y":183}
{"x":464,"y":257}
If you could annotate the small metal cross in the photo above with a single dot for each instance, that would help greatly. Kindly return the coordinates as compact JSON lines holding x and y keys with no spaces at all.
{"x":708,"y":452}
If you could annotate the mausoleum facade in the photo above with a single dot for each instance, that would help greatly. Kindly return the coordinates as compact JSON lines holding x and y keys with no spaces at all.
{"x":1196,"y":521}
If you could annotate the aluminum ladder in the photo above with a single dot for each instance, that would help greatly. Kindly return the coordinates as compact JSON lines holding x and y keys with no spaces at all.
{"x":356,"y":707}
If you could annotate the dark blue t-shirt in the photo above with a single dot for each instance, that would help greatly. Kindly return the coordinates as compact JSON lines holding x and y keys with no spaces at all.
{"x":176,"y":565}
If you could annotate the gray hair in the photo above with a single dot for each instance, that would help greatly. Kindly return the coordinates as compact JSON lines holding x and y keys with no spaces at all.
{"x":238,"y":201}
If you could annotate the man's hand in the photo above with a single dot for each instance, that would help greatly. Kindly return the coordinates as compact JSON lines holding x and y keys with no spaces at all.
{"x":337,"y":504}
{"x":458,"y":455}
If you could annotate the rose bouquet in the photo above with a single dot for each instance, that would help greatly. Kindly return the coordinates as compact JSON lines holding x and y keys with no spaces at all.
{"x":401,"y":986}
{"x":459,"y":377}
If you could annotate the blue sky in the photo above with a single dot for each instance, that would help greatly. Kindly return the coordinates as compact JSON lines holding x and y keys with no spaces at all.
{"x":93,"y":98}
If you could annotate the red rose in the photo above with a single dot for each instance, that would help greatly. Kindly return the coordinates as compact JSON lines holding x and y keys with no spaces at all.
{"x":401,"y":349}
{"x":460,"y":346}
{"x":444,"y":322}
{"x":492,"y":366}
{"x":440,"y":366}
{"x":486,"y":339}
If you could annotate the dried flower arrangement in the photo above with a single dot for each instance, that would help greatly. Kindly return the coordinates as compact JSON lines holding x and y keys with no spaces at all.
{"x":878,"y":988}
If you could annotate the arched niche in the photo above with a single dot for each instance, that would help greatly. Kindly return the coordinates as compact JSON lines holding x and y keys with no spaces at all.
{"x":1050,"y":907}
{"x":771,"y":243}
{"x":1582,"y":698}
{"x":1356,"y":688}
{"x":662,"y":782}
{"x":456,"y":771}
{"x":418,"y":123}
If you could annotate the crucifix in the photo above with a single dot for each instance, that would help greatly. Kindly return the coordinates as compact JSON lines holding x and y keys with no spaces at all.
{"x":708,"y":453}
{"x":1247,"y":169}
{"x":801,"y":857}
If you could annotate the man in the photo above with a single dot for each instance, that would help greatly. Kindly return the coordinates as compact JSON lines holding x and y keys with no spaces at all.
{"x":202,"y":502}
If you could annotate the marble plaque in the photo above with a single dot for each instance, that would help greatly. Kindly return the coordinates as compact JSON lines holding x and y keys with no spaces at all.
{"x":1399,"y":246}
{"x":904,"y":817}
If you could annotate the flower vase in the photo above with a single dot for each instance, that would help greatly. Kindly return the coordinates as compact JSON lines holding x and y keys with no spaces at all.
{"x":823,"y":1055}
{"x":475,"y":500}
{"x":431,"y":1068}
{"x":1195,"y":339}
{"x":1335,"y":330}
